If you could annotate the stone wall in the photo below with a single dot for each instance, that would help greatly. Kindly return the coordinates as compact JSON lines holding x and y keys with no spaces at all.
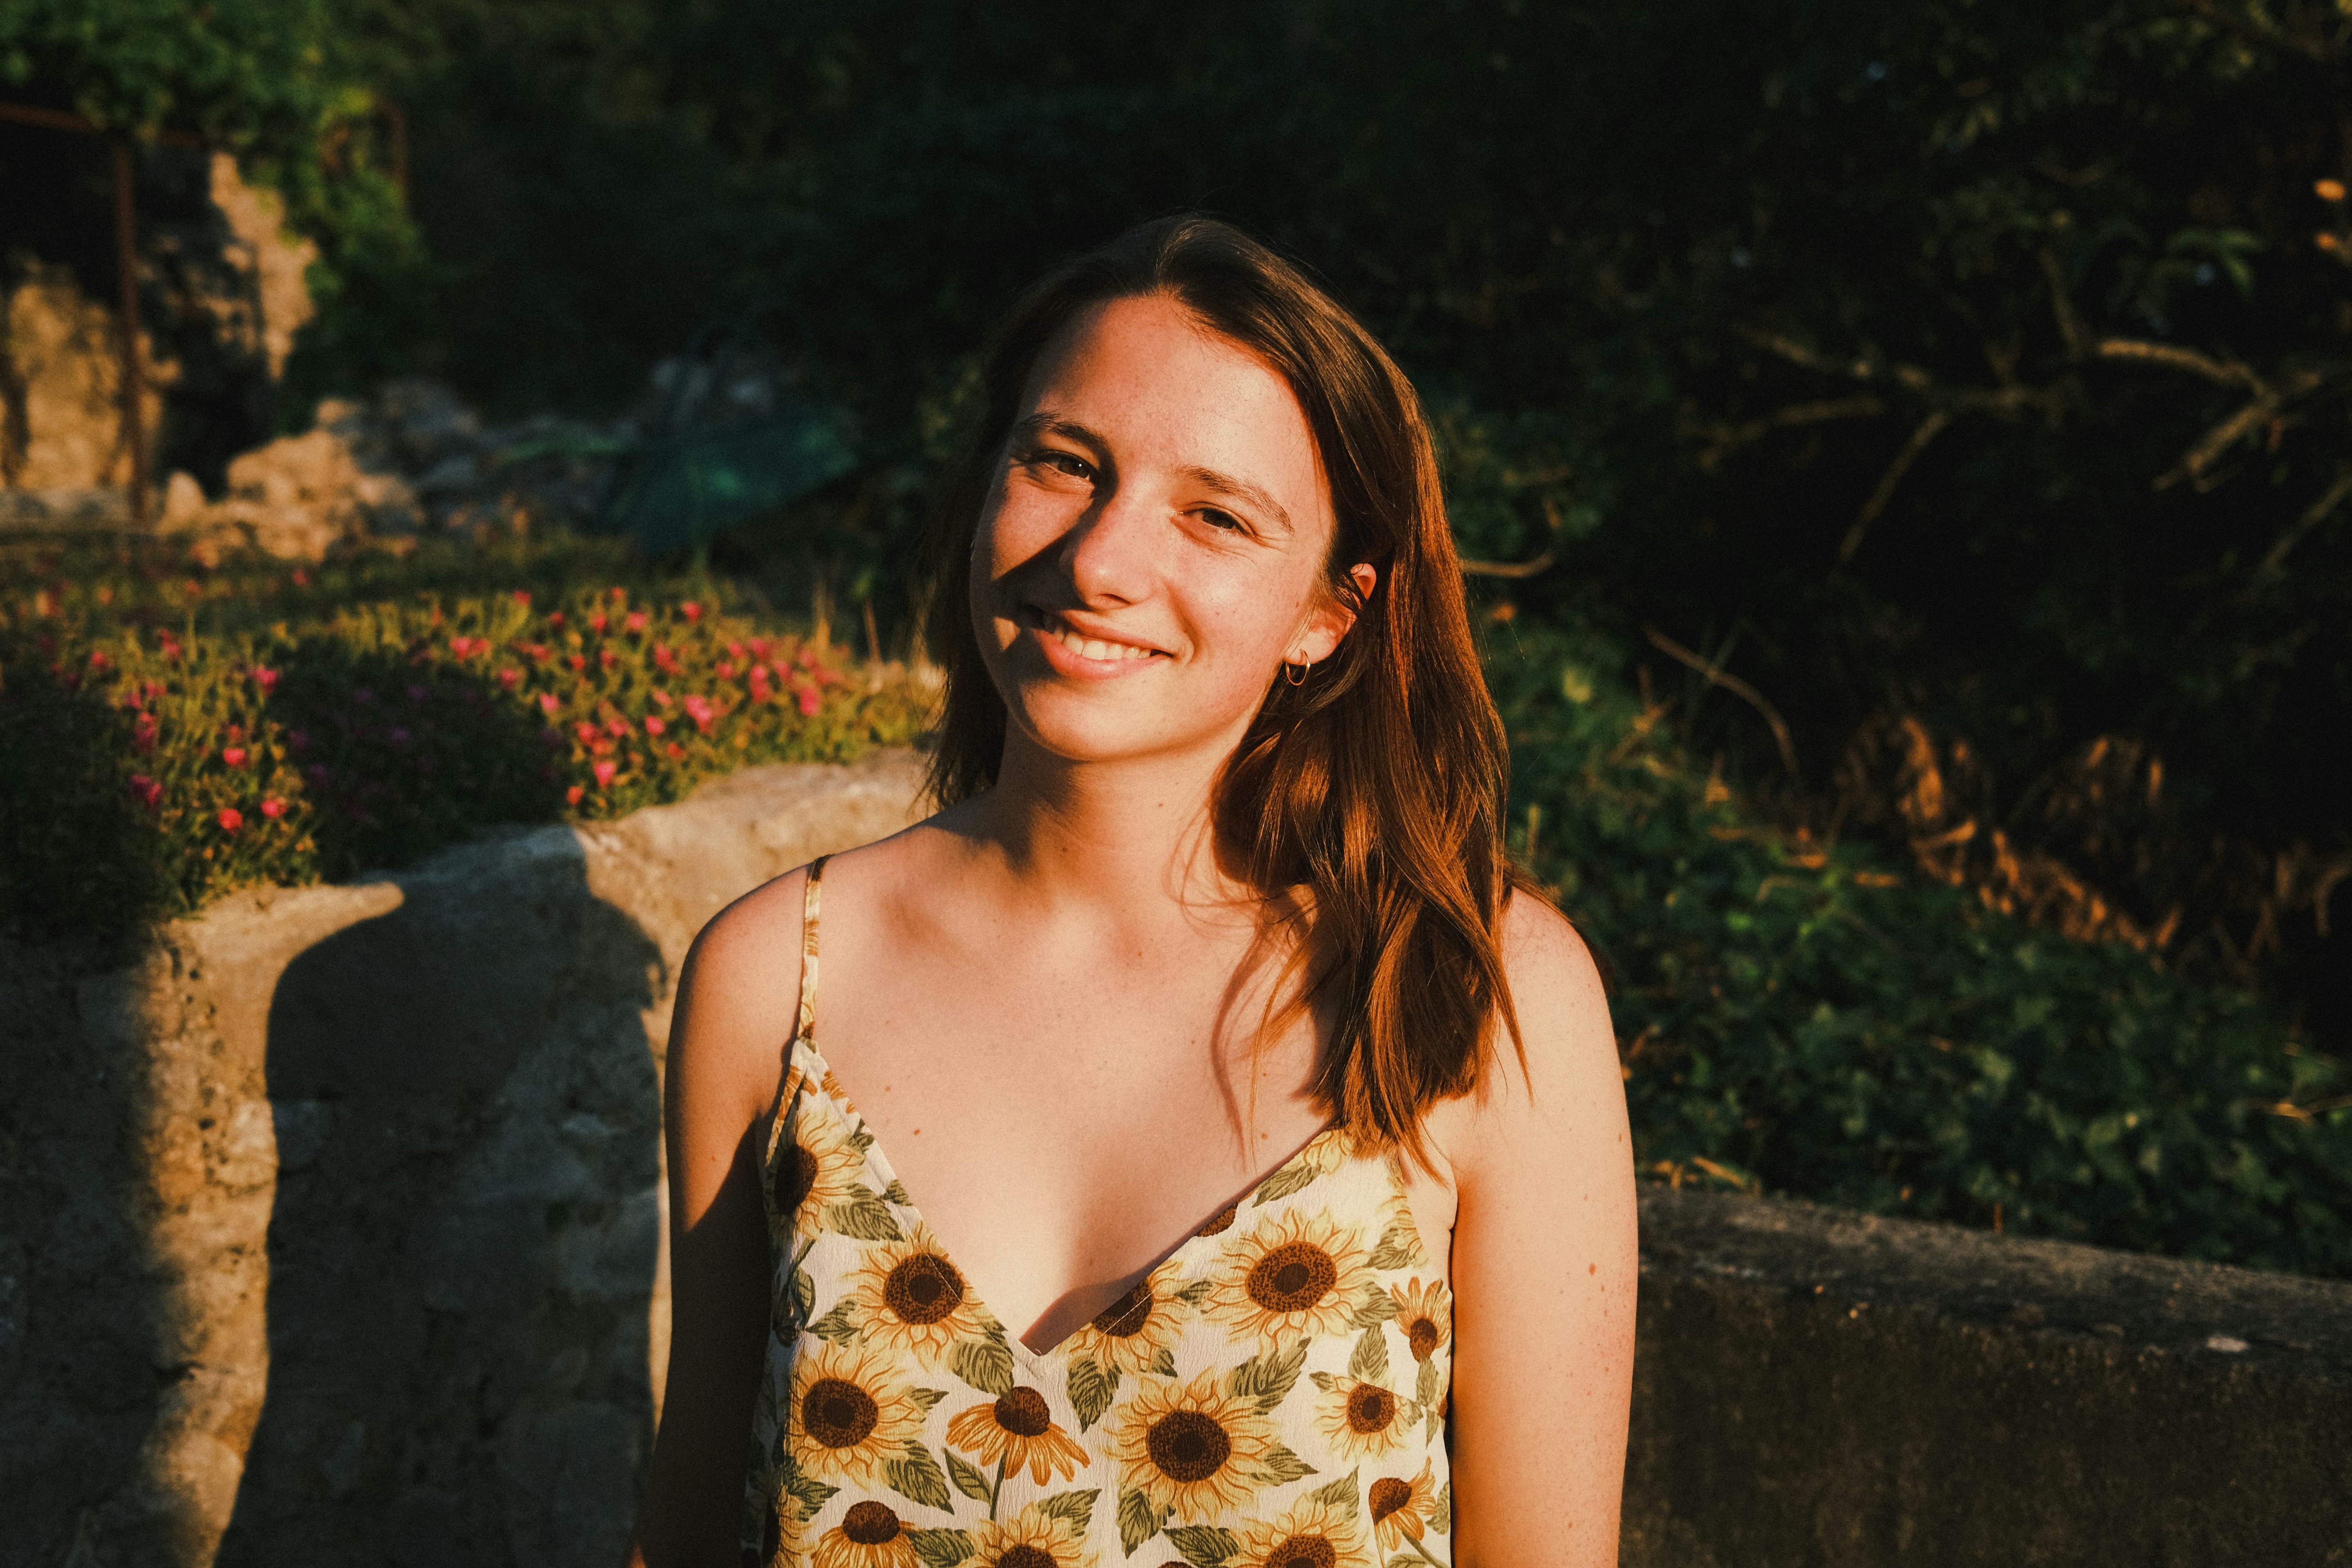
{"x":1816,"y":1387}
{"x":329,"y":1231}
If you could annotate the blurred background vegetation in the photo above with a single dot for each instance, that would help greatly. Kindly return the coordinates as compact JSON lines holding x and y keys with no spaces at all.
{"x":1935,"y":412}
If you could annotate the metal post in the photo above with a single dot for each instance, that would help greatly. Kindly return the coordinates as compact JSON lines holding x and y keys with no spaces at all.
{"x":126,"y":263}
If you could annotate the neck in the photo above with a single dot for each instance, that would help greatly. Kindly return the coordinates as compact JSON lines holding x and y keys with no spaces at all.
{"x":1117,"y":838}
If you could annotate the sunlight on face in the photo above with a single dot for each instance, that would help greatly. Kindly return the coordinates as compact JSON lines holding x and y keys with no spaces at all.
{"x":1154,"y":549}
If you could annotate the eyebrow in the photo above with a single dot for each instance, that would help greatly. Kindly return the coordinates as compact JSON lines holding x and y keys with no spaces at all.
{"x":1255,"y":497}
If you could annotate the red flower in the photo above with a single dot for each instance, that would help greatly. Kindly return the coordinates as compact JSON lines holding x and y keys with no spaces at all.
{"x":556,"y":619}
{"x":699,"y":709}
{"x":661,"y":697}
{"x":547,"y":703}
{"x":604,"y":772}
{"x":617,"y":727}
{"x":596,"y":621}
{"x":735,"y":649}
{"x":620,"y":595}
{"x":150,"y":792}
{"x":636,"y":621}
{"x":675,"y":750}
{"x":523,"y":597}
{"x":808,"y":702}
{"x":579,"y":663}
{"x":725,"y":670}
{"x":573,"y":794}
{"x":302,"y":578}
{"x":511,"y":679}
{"x":98,"y":661}
{"x":690,"y":610}
{"x":607,"y":657}
{"x":273,"y":808}
{"x":586,"y":731}
{"x":654,"y":726}
{"x":233,"y":755}
{"x":231,"y":819}
{"x":265,"y":678}
{"x":144,"y":733}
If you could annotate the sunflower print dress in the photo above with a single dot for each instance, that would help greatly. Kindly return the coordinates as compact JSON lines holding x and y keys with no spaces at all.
{"x":1272,"y":1395}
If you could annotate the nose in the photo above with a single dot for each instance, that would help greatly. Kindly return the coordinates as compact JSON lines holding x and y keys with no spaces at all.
{"x":1109,"y":556}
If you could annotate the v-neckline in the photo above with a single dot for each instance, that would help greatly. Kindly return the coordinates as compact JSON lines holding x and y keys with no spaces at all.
{"x":817,"y":1071}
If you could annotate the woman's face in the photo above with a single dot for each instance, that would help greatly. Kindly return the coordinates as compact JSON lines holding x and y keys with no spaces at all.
{"x":1154,"y":548}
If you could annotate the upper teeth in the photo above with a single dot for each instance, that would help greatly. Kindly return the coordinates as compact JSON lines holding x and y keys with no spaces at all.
{"x":1095,"y":647}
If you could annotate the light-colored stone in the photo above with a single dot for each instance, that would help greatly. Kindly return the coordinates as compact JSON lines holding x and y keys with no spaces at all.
{"x":380,"y":1159}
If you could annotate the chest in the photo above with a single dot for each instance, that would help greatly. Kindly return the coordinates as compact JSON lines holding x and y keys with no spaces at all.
{"x":1061,"y":1125}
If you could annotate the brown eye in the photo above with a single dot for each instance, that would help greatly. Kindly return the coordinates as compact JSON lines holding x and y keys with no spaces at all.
{"x":1061,"y":462}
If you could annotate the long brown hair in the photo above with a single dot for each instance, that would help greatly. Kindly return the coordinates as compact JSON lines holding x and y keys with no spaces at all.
{"x":1374,"y":788}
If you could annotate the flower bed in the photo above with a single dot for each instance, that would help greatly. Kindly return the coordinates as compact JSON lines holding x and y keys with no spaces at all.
{"x":174,"y":732}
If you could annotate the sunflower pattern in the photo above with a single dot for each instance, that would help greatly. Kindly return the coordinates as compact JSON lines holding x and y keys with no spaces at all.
{"x":1271,"y":1396}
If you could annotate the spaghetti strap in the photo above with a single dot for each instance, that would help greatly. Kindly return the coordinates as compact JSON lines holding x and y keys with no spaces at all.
{"x":804,"y":1029}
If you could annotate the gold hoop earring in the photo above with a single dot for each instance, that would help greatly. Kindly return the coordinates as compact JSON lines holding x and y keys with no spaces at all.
{"x":1300,"y":678}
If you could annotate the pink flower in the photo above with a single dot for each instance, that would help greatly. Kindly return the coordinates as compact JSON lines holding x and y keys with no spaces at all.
{"x":636,"y":621}
{"x":145,"y":731}
{"x":604,"y":772}
{"x":808,"y":702}
{"x":654,"y":726}
{"x":586,"y":731}
{"x":699,"y":709}
{"x":735,"y":651}
{"x":661,"y":697}
{"x":523,"y":597}
{"x":620,"y":595}
{"x":573,"y":794}
{"x":548,"y":704}
{"x":98,"y":661}
{"x":511,"y":679}
{"x":265,"y":678}
{"x":617,"y":727}
{"x":150,"y":792}
{"x":233,"y":755}
{"x":273,"y":808}
{"x":597,"y":620}
{"x":460,"y":647}
{"x":690,"y":610}
{"x":556,"y":619}
{"x":230,"y":820}
{"x":725,"y":670}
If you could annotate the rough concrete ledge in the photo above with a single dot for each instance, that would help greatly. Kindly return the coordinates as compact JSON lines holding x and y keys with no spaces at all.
{"x":1814,"y":1387}
{"x":330,"y":1228}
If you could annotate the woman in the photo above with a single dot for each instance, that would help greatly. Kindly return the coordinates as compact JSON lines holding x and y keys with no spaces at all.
{"x":1209,"y":1157}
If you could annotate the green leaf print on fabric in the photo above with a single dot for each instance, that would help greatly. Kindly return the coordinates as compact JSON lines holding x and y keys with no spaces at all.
{"x":1192,"y":1295}
{"x":1074,"y":1509}
{"x":986,"y":1364}
{"x":895,"y":1193}
{"x":1399,"y":1247}
{"x":864,"y":1217}
{"x":804,"y":1296}
{"x":918,"y":1476}
{"x":1341,"y":1494}
{"x":927,"y":1397}
{"x":969,"y":1480}
{"x":1441,"y":1517}
{"x":839,"y":1325}
{"x":1091,"y":1387}
{"x":1295,"y":1177}
{"x":1425,"y":1387}
{"x":1374,"y":1305}
{"x":808,"y":1494}
{"x":1281,"y":1467}
{"x":1138,"y":1520}
{"x":1204,"y":1545}
{"x":940,"y":1548}
{"x":1370,"y":1364}
{"x":1267,"y":1379}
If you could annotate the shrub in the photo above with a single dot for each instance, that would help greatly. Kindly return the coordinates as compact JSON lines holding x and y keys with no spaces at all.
{"x":288,"y":730}
{"x":1804,"y":1018}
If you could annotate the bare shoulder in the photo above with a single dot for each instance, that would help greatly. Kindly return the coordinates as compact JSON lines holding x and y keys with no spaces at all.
{"x":1563,"y":1078}
{"x":738,"y":999}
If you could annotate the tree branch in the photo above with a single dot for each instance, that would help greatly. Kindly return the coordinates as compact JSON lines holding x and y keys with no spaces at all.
{"x":1928,"y":431}
{"x":1716,"y":675}
{"x":2172,"y":356}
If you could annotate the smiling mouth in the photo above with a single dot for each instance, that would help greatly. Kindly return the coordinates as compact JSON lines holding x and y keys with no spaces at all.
{"x":1045,"y":624}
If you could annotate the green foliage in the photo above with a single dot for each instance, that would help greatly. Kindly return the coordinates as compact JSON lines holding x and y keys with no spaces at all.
{"x":1804,"y":1020}
{"x":176,"y":735}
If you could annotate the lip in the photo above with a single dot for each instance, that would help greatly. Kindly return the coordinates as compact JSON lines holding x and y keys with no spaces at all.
{"x":1041,"y":625}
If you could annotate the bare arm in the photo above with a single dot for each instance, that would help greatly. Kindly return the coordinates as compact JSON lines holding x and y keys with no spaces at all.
{"x":733,"y":1020}
{"x":1545,"y":1272}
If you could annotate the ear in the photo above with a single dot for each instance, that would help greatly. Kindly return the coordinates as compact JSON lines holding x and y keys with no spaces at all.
{"x":1331,"y":620}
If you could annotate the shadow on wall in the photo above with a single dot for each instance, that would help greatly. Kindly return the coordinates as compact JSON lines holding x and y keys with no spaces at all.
{"x":462,"y":1249}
